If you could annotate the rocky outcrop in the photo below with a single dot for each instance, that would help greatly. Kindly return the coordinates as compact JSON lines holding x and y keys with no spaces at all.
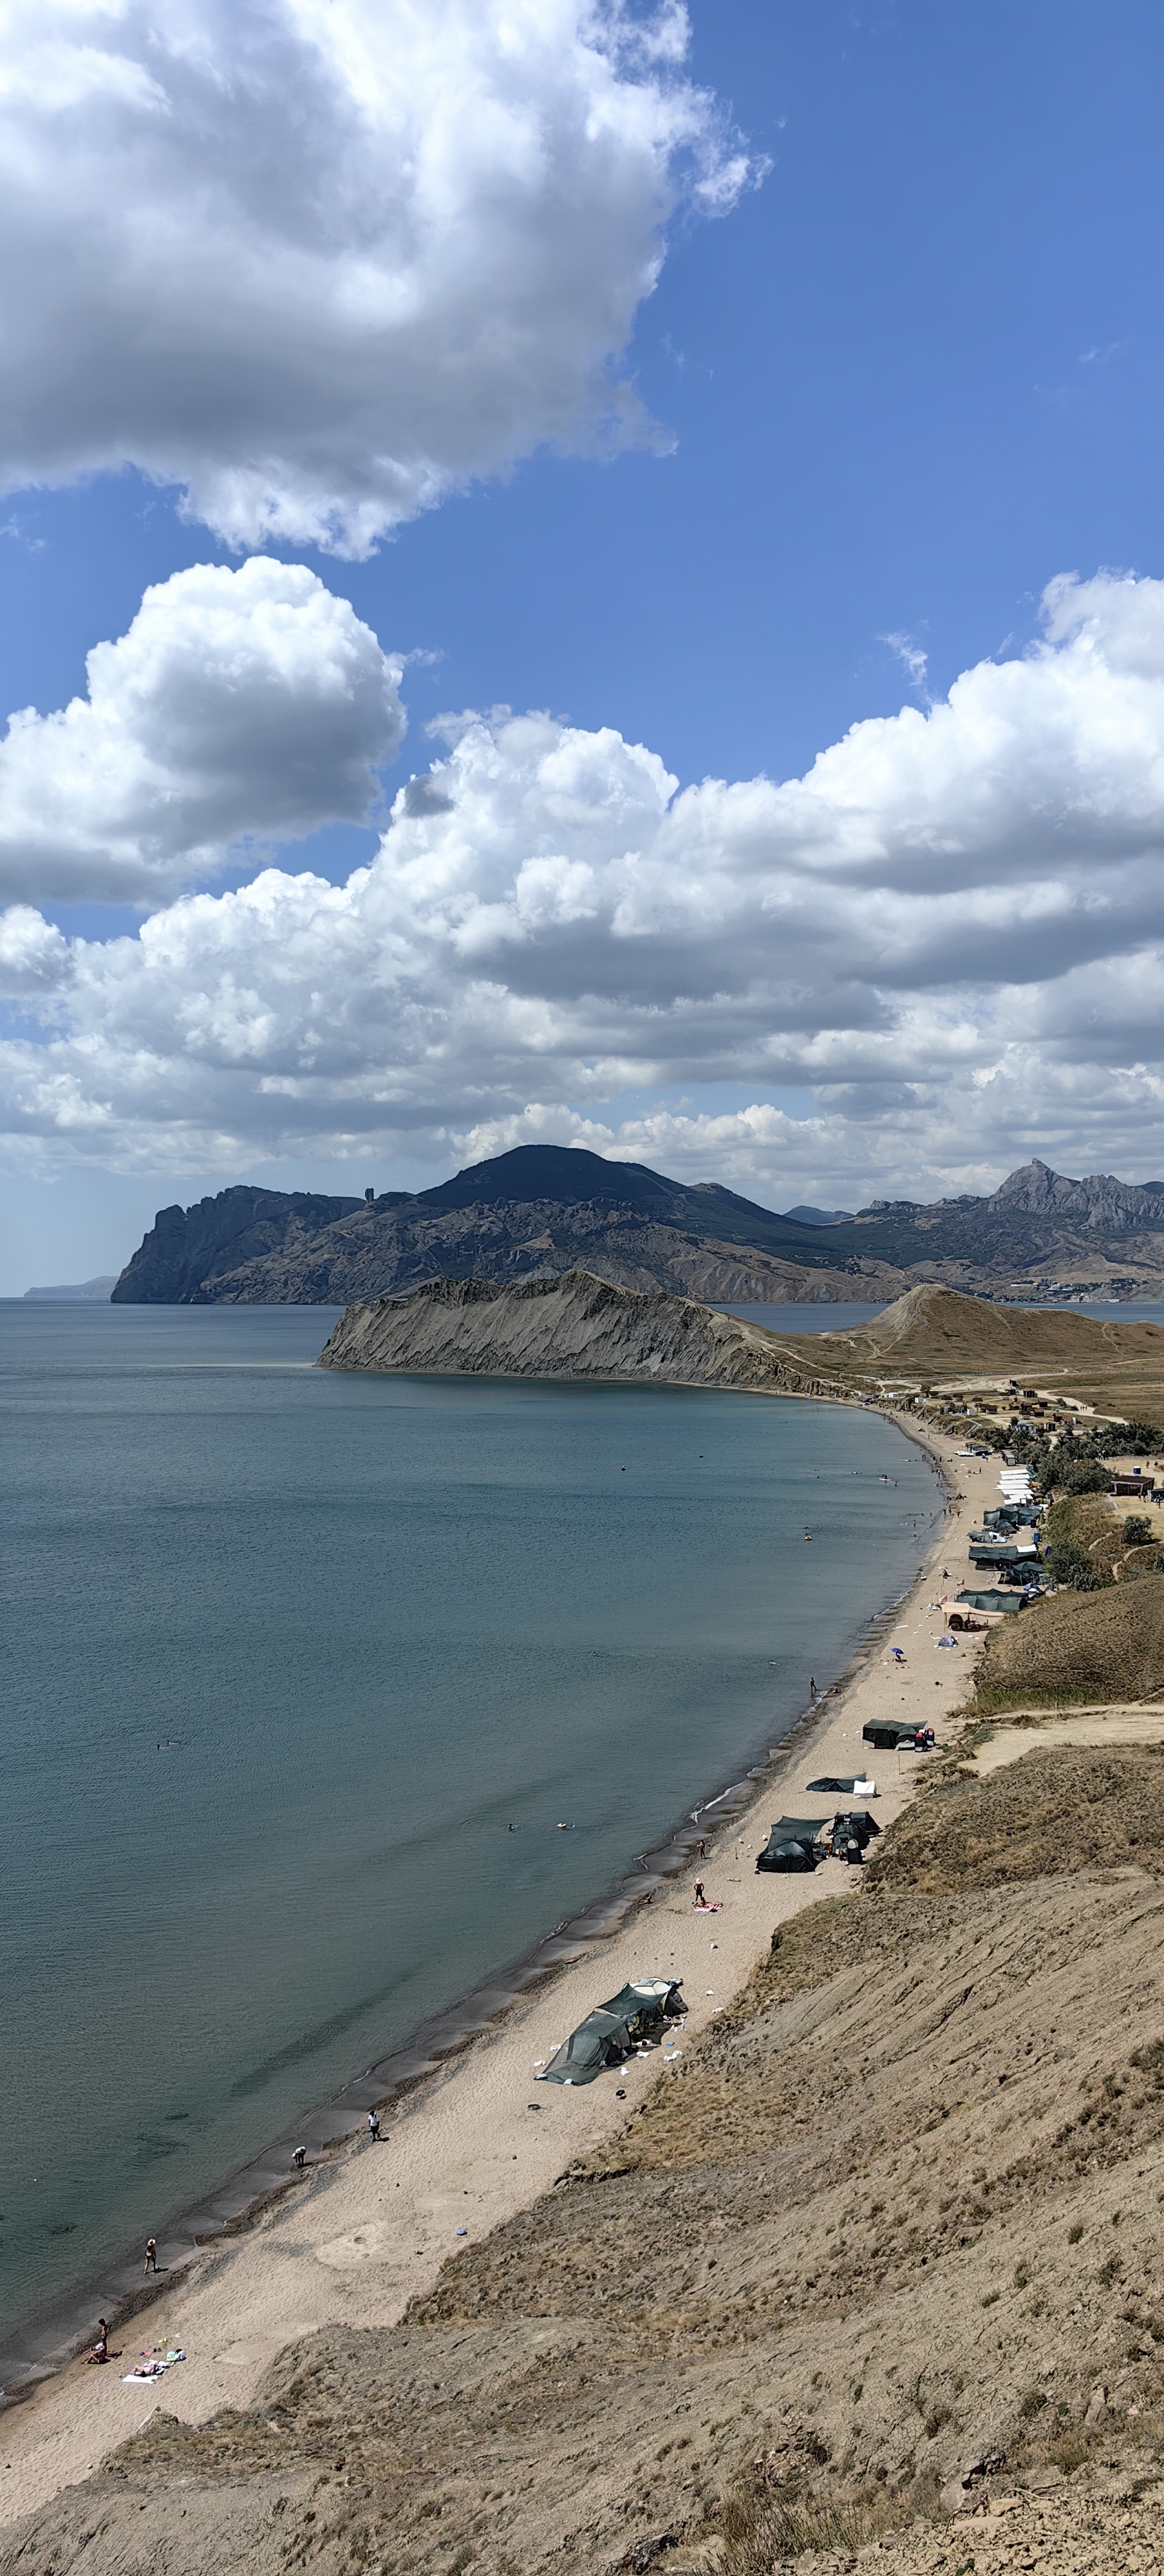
{"x":187,"y":1250}
{"x":570,"y":1327}
{"x":1099,"y":1201}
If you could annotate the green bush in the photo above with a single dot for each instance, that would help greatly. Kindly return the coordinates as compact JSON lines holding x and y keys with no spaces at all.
{"x":1085,"y":1480}
{"x":1070,"y":1566}
{"x":1138,"y":1530}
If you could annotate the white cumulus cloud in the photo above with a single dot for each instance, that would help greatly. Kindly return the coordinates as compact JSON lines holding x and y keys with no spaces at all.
{"x":248,"y":704}
{"x":950,"y":932}
{"x":321,"y":261}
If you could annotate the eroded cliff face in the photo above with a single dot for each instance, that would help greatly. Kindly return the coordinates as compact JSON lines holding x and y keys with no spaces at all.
{"x":576,"y":1326}
{"x":878,"y":2255}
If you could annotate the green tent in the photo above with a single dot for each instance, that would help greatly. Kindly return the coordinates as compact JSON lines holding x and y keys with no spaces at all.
{"x":991,"y":1601}
{"x":608,"y":2034}
{"x":859,"y":1785}
{"x":794,"y":1843}
{"x":854,"y":1824}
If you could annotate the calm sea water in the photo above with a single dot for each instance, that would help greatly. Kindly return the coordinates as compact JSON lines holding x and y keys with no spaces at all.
{"x":286,"y":1653}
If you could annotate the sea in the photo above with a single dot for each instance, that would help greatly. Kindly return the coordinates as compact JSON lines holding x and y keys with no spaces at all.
{"x":325,"y":1696}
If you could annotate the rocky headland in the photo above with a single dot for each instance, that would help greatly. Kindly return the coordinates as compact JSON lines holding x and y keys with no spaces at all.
{"x":581,"y":1326}
{"x":575,"y":1326}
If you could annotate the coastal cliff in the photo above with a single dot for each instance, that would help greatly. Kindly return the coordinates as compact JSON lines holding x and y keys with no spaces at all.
{"x":575,"y":1326}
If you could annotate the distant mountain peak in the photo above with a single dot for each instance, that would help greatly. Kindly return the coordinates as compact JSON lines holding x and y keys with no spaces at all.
{"x":1100,"y":1200}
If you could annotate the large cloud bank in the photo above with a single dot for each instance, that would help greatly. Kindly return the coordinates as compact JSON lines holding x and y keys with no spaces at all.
{"x":320,"y":261}
{"x":950,"y":929}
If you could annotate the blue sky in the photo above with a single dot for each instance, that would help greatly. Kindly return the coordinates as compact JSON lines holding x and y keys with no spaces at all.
{"x":908,"y":378}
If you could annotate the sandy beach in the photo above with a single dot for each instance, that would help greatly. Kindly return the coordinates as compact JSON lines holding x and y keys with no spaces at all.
{"x":371,"y":2225}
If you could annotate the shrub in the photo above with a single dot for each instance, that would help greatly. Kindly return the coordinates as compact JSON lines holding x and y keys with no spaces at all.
{"x":1069,"y":1565}
{"x":1138,"y":1530}
{"x":1086,"y":1480}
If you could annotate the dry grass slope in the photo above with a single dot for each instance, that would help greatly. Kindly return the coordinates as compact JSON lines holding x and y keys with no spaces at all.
{"x":1077,"y":1648}
{"x":901,"y":2213}
{"x":936,"y":1334}
{"x":1039,"y":1818}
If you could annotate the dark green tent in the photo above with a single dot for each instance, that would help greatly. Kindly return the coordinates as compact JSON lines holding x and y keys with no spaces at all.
{"x":890,"y":1735}
{"x":854,"y":1824}
{"x":609,"y":2033}
{"x":991,"y":1601}
{"x":841,"y":1788}
{"x":794,"y":1843}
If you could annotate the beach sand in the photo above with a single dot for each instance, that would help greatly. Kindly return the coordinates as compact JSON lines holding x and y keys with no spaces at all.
{"x":371,"y":2224}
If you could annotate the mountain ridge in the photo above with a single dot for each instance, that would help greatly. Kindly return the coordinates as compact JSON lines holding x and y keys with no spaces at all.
{"x":540,"y":1210}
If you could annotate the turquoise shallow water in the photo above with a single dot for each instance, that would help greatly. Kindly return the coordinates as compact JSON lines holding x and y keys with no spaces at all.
{"x":286,"y":1653}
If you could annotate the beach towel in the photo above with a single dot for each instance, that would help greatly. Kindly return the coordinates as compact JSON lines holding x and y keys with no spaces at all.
{"x":152,"y":2369}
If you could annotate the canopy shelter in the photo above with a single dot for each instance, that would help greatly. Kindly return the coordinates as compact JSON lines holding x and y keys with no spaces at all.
{"x":992,"y":1600}
{"x":898,"y":1739}
{"x":794,"y":1843}
{"x":851,"y":1833}
{"x":855,"y":1788}
{"x":1008,"y":1516}
{"x":854,"y":1824}
{"x":1001,"y":1551}
{"x":613,"y":2029}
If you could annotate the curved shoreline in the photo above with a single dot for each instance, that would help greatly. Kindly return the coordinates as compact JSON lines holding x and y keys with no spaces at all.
{"x":327,"y":2127}
{"x":463,"y":2140}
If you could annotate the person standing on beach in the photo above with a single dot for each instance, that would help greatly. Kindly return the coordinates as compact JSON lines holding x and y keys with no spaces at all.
{"x":373,"y":2124}
{"x":100,"y":2350}
{"x":151,"y":2260}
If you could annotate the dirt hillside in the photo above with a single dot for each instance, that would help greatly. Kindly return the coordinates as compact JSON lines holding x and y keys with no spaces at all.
{"x":896,"y":2225}
{"x":934,"y":1334}
{"x":1076,"y":1648}
{"x":939,"y":1332}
